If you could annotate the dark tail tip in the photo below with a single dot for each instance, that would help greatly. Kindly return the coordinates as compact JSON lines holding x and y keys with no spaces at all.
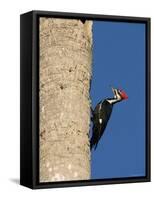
{"x":93,"y":145}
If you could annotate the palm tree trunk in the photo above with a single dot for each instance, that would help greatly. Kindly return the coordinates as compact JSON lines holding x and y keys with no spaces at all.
{"x":65,"y":73}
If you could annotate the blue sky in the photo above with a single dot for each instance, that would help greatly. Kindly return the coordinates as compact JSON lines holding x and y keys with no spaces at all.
{"x":119,"y":60}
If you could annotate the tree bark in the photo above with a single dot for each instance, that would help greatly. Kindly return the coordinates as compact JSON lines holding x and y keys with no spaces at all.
{"x":65,"y":74}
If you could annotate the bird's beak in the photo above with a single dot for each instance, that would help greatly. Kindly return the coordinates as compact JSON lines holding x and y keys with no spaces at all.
{"x":113,"y":90}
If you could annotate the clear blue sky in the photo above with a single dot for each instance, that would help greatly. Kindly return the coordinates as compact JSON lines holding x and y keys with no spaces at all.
{"x":119,"y":60}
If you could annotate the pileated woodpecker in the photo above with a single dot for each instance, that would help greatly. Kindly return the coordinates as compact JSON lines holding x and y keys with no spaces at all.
{"x":101,"y":114}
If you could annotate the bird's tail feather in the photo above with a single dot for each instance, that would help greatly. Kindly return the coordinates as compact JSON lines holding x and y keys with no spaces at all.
{"x":91,"y":145}
{"x":93,"y":141}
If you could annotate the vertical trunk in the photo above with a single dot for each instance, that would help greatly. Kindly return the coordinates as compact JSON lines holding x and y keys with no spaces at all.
{"x":65,"y":73}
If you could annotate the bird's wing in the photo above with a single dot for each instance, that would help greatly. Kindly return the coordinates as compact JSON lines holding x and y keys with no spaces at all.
{"x":97,"y":108}
{"x":97,"y":126}
{"x":99,"y":123}
{"x":104,"y":117}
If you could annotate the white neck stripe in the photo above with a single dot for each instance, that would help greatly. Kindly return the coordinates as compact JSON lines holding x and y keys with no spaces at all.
{"x":112,"y":101}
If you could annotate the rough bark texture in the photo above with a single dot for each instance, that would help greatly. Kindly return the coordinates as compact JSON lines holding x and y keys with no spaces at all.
{"x":65,"y":73}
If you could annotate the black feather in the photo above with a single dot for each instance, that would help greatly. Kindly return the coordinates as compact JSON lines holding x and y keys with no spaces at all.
{"x":102,"y":111}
